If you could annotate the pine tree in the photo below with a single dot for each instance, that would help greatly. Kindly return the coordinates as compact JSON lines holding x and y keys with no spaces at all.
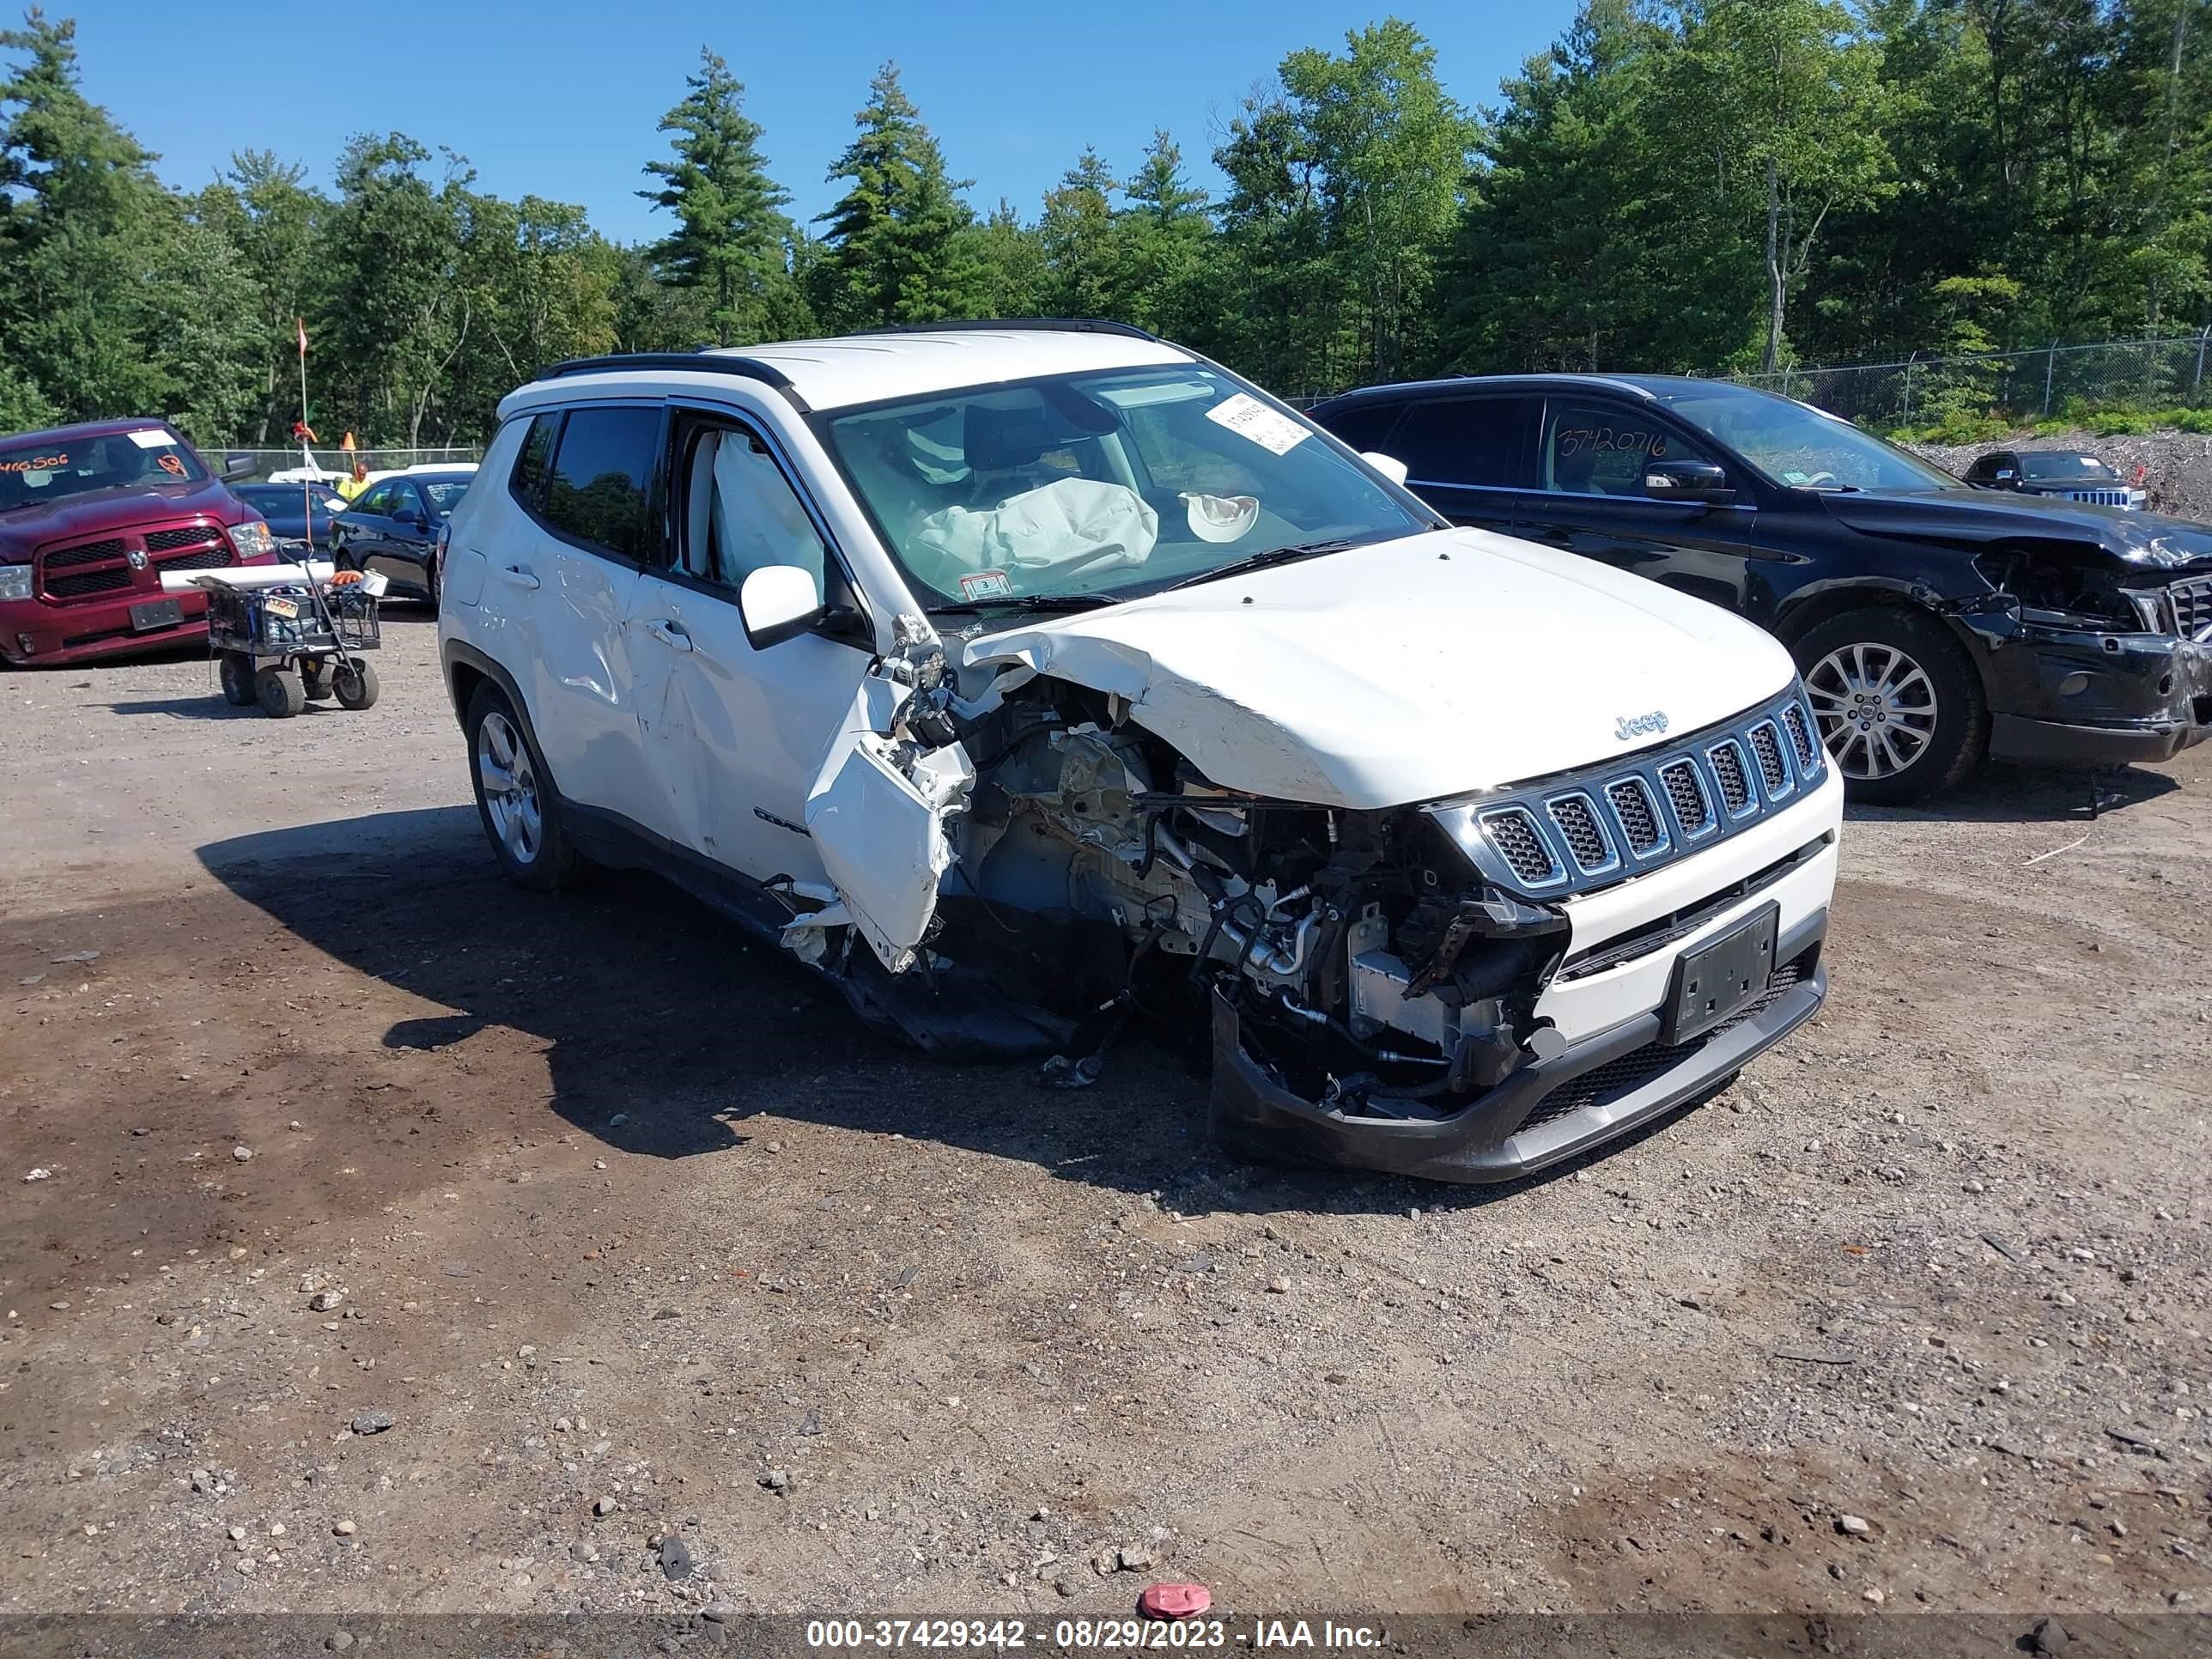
{"x":733,"y":239}
{"x":894,"y":249}
{"x":1085,"y":270}
{"x":1164,"y":237}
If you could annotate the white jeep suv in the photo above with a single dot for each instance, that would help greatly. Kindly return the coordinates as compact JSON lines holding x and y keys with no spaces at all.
{"x":1015,"y":676}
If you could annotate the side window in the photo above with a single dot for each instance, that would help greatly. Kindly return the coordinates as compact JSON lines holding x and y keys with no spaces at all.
{"x":1594,"y":448}
{"x":528,"y":483}
{"x":1366,"y":426}
{"x":404,"y":500}
{"x":599,"y":487}
{"x":377,"y":503}
{"x":740,"y":513}
{"x":1480,"y":441}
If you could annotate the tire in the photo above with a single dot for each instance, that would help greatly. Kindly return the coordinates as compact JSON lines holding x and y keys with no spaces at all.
{"x":235,"y":670}
{"x":354,"y":685}
{"x":516,"y":802}
{"x":1898,"y":702}
{"x":281,"y":693}
{"x":431,"y":585}
{"x":317,"y":678}
{"x":342,"y":557}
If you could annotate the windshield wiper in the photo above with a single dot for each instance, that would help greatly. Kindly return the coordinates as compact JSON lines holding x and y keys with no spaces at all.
{"x":1273,"y":556}
{"x":1034,"y":602}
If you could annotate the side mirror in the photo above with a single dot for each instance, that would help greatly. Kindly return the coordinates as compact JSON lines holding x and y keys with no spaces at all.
{"x":1701,"y":482}
{"x":778,"y":603}
{"x":1389,"y":466}
{"x":239,"y":466}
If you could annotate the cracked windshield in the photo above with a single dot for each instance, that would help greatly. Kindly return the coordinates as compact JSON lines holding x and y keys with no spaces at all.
{"x":1090,"y":488}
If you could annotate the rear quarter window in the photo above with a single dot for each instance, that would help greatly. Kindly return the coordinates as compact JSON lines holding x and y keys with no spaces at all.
{"x":599,"y":489}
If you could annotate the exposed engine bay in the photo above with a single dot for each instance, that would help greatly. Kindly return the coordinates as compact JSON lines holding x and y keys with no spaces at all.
{"x":1086,"y":869}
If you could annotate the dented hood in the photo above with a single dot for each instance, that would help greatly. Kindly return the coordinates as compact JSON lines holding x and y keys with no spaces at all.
{"x":1410,"y":670}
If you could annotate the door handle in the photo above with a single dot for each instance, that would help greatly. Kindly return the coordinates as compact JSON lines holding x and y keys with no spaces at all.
{"x":516,"y":576}
{"x":670,"y":634}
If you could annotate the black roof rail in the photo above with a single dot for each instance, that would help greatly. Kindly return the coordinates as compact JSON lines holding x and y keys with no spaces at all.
{"x":699,"y":362}
{"x":1036,"y":325}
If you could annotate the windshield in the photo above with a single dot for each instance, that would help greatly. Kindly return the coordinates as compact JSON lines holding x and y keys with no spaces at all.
{"x":1802,"y":447}
{"x":60,"y":467}
{"x":444,"y":494}
{"x":1100,"y":486}
{"x":2047,"y":466}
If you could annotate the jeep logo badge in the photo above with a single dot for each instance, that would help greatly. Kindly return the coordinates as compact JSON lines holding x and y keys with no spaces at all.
{"x":1640,"y":725}
{"x":137,"y":560}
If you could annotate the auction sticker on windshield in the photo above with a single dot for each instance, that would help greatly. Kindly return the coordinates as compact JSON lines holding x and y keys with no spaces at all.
{"x":1248,"y":417}
{"x":986,"y":585}
{"x":152,"y":440}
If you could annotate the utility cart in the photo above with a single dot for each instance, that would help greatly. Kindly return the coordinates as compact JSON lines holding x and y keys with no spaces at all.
{"x":285,"y":644}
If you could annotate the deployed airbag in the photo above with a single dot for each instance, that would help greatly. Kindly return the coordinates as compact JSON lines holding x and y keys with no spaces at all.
{"x":1069,"y":522}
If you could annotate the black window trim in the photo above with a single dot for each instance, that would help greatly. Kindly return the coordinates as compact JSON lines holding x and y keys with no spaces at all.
{"x":656,"y":485}
{"x":1531,"y":442}
{"x":685,"y":418}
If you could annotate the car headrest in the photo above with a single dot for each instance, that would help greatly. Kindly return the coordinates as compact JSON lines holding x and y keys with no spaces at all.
{"x":999,"y":440}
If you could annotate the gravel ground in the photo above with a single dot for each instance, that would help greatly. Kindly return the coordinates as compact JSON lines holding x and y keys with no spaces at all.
{"x":379,"y":1239}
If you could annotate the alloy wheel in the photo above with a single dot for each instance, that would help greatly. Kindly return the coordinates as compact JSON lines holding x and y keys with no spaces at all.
{"x":510,"y":788}
{"x":1876,"y":708}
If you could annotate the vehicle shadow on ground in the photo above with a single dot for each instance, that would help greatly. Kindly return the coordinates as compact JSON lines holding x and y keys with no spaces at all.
{"x":2020,"y":795}
{"x":667,"y":1027}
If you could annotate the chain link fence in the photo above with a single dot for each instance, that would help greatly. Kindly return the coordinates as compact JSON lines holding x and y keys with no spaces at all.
{"x":2021,"y":385}
{"x":336,"y":464}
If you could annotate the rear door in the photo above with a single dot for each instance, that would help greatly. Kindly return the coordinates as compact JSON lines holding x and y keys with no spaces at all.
{"x":1589,"y":499}
{"x":588,"y":484}
{"x":397,"y":550}
{"x":1471,"y":457}
{"x":735,"y":735}
{"x":362,"y":531}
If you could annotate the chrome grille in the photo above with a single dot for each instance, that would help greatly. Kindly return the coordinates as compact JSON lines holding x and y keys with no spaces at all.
{"x":1801,"y":733}
{"x":1687,"y":793}
{"x":90,"y":553}
{"x":197,"y":534}
{"x":1576,"y":817}
{"x":1586,"y":829}
{"x":1513,"y":833}
{"x":2099,"y":497}
{"x":1733,"y":776}
{"x":2192,"y":606}
{"x":1638,"y":814}
{"x":1766,"y":743}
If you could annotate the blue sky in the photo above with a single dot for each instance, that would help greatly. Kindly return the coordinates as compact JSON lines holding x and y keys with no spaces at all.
{"x":560,"y":98}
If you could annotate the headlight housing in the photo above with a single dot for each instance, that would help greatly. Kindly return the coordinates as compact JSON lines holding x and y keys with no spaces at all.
{"x":14,"y":581}
{"x":253,"y":539}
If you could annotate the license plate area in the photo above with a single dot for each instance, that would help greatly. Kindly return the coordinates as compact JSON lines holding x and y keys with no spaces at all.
{"x":1719,"y":978}
{"x":156,"y":613}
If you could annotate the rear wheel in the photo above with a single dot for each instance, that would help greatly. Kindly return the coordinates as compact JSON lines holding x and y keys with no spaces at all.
{"x":1898,"y":701}
{"x":515,"y":800}
{"x":281,"y":692}
{"x":235,"y":668}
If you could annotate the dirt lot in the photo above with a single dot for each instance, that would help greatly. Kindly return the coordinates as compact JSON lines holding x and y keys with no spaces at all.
{"x":630,"y":1232}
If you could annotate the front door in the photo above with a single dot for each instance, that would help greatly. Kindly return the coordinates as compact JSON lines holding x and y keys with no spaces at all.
{"x":735,"y":735}
{"x":1590,"y":499}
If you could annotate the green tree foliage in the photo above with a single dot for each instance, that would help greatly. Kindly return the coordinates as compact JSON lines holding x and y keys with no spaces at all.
{"x":893,"y":248}
{"x":1692,"y":186}
{"x":732,"y":239}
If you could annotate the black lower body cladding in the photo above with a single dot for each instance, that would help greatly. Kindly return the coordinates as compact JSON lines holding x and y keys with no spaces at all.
{"x":1546,"y":1112}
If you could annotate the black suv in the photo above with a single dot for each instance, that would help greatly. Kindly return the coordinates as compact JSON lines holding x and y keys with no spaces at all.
{"x":1934,"y":622}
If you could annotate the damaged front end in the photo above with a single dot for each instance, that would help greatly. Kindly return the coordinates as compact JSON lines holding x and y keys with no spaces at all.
{"x":2092,"y":659}
{"x":1028,"y":869}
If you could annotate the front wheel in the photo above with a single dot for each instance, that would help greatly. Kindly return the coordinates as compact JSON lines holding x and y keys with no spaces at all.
{"x":521,"y":814}
{"x":1898,"y":701}
{"x":282,"y":693}
{"x":237,"y":674}
{"x":354,"y":685}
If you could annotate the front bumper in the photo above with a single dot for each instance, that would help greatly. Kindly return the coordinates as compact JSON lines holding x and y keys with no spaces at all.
{"x":33,"y":634}
{"x":2064,"y":696}
{"x":1601,"y":1087}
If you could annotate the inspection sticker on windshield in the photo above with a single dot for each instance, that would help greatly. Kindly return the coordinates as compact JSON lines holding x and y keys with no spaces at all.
{"x":986,"y":585}
{"x":1248,"y":417}
{"x":152,"y":440}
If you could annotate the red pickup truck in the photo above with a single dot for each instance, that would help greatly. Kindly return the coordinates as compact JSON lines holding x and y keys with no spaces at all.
{"x":90,"y":516}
